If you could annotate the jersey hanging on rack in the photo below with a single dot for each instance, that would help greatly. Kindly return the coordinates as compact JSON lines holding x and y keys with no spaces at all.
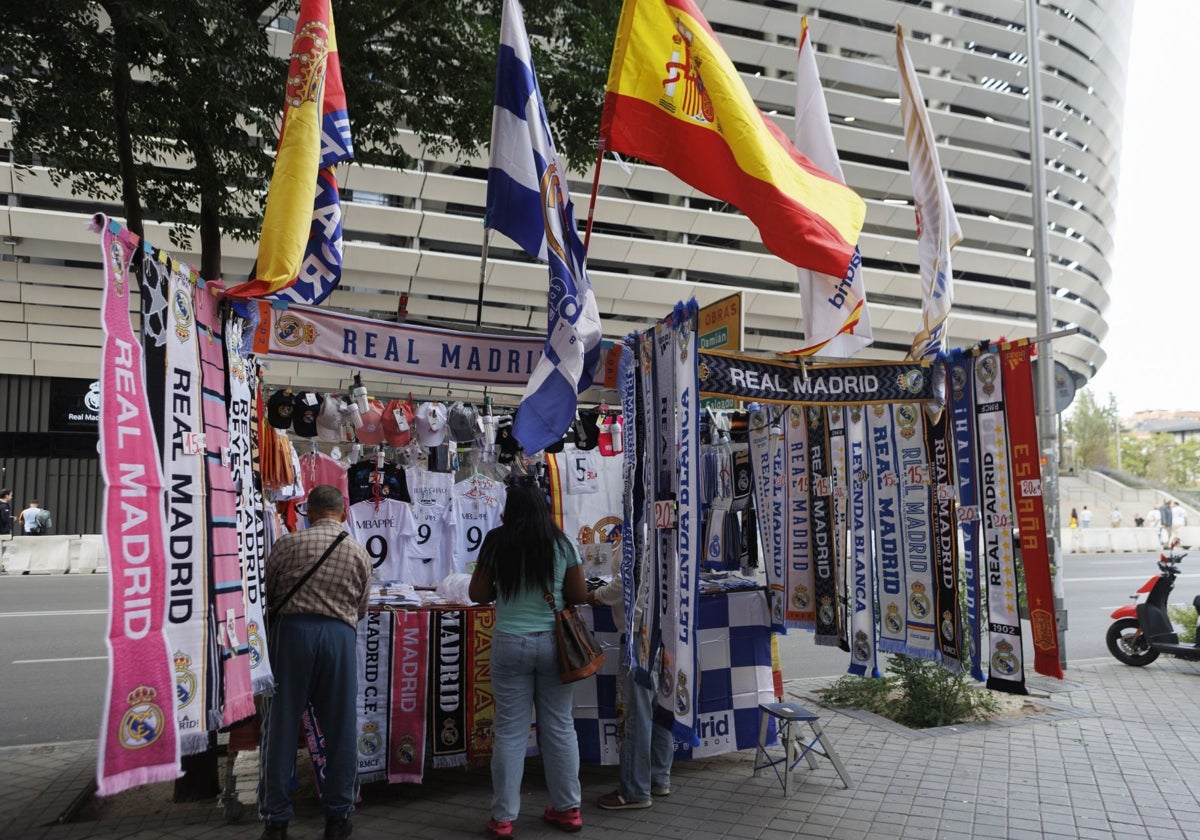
{"x":426,"y":554}
{"x":475,"y":509}
{"x":383,"y":528}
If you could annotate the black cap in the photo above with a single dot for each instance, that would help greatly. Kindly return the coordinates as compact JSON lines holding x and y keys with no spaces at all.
{"x":279,"y":409}
{"x":305,"y":408}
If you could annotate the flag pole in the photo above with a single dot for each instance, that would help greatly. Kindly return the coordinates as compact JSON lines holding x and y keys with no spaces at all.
{"x":587,"y":233}
{"x":482,"y":273}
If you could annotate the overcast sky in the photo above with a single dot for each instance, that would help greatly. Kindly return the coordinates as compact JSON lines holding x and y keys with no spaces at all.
{"x":1153,"y":343}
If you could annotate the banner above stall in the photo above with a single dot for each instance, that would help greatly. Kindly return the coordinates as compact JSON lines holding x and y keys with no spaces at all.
{"x":760,"y":380}
{"x":305,"y":333}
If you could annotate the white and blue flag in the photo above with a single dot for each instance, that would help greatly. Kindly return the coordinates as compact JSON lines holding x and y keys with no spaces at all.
{"x":528,"y":201}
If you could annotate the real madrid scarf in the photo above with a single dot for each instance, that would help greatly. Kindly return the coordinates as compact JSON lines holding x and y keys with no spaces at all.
{"x":373,"y":647}
{"x":410,"y":684}
{"x":649,"y":658}
{"x":836,"y":419}
{"x":481,"y":705}
{"x":945,"y":543}
{"x":251,"y":529}
{"x":139,"y":741}
{"x":448,"y":689}
{"x":889,"y":542}
{"x":1006,"y":671}
{"x":1031,"y":515}
{"x":820,"y":500}
{"x":916,"y":527}
{"x":314,"y":741}
{"x":863,"y":654}
{"x":183,"y":467}
{"x":227,"y":621}
{"x":962,"y":394}
{"x":631,"y":492}
{"x":798,"y":537}
{"x":764,"y":455}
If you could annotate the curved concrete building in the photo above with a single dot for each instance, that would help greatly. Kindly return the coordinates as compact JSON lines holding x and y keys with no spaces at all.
{"x":418,"y":232}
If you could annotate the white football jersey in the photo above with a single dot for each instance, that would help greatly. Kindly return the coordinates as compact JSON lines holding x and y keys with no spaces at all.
{"x":475,"y":510}
{"x":427,"y":551}
{"x":382,"y":530}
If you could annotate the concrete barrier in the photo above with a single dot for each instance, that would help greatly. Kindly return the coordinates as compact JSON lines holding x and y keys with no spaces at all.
{"x":48,"y":555}
{"x":1189,"y":536}
{"x":1094,"y":540}
{"x":1147,"y":539}
{"x":1123,"y":539}
{"x":88,"y":555}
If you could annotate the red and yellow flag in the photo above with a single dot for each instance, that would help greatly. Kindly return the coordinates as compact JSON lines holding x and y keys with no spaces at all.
{"x":289,"y":212}
{"x":675,"y":99}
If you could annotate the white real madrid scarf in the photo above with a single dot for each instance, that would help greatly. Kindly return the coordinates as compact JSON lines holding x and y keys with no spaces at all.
{"x":798,"y":538}
{"x":916,"y":508}
{"x":374,"y":704}
{"x":889,"y":542}
{"x":863,"y":653}
{"x":763,"y":459}
{"x":836,"y":423}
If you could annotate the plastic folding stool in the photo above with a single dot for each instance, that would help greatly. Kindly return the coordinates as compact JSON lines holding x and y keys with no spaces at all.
{"x":795,"y":742}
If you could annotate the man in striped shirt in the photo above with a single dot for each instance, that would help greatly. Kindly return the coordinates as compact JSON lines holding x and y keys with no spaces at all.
{"x":312,"y":647}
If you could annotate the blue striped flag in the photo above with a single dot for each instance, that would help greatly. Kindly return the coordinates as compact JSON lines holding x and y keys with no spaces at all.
{"x":529,"y":202}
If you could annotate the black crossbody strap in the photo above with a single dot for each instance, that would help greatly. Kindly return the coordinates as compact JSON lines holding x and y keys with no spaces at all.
{"x":277,"y":607}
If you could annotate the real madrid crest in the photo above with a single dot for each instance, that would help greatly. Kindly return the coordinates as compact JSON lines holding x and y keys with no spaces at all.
{"x":683,"y":700}
{"x":987,"y":368}
{"x":907,"y":418}
{"x":291,"y":331}
{"x":185,"y":680}
{"x":369,"y":741}
{"x":918,"y":601}
{"x":143,"y":721}
{"x":892,"y":620}
{"x":1004,"y":660}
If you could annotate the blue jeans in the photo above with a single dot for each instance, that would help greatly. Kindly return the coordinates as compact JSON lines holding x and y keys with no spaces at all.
{"x":313,"y":659}
{"x":646,"y":750}
{"x":524,"y":675}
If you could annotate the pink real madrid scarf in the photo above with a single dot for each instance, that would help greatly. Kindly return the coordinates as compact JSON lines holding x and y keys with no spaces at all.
{"x":410,"y":680}
{"x":138,"y":737}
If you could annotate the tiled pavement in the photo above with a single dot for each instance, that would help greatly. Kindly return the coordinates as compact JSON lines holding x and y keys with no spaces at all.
{"x":1115,"y":754}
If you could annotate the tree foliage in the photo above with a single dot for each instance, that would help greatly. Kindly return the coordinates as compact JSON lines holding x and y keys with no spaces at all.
{"x":172,"y":107}
{"x":1093,"y":428}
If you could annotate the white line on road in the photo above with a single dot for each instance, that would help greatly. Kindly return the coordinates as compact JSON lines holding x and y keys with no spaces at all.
{"x":56,"y":614}
{"x":68,"y":659}
{"x":1142,"y":578}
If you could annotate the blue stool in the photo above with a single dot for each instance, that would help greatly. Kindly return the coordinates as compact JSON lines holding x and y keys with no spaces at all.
{"x":796,"y":744}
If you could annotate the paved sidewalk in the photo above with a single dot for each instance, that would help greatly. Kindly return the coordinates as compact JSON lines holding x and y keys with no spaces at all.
{"x":1115,"y":755}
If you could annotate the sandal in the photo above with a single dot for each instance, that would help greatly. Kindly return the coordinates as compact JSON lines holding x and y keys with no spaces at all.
{"x":568,"y":820}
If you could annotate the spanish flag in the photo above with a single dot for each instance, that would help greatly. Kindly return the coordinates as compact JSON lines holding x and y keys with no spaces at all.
{"x":289,"y":213}
{"x":675,"y":99}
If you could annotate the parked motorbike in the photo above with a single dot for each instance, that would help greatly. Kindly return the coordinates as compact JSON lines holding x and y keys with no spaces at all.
{"x":1143,"y":630}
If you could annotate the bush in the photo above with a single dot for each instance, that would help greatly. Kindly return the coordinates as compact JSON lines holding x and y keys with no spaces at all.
{"x":918,"y":693}
{"x":1184,"y":619}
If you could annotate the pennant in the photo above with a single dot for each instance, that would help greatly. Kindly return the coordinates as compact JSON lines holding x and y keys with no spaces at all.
{"x":889,"y":541}
{"x":675,"y":99}
{"x":938,"y":230}
{"x":300,"y":251}
{"x":1031,"y":514}
{"x":837,"y":322}
{"x":528,"y":200}
{"x":410,"y":679}
{"x":1006,"y":663}
{"x":962,"y":392}
{"x":139,"y":742}
{"x":863,"y":652}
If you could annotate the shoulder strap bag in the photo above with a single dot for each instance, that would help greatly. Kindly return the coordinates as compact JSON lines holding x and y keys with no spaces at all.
{"x":579,"y":653}
{"x":275,"y":608}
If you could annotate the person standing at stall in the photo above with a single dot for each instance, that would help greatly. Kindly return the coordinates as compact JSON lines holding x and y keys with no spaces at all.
{"x":317,"y":581}
{"x":519,"y":562}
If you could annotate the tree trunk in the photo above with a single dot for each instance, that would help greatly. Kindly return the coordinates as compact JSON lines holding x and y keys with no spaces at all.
{"x":122,"y":87}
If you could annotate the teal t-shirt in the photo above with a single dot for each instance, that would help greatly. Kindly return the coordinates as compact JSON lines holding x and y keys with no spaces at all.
{"x":528,"y":611}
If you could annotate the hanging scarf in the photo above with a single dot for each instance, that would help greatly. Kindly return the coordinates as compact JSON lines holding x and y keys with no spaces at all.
{"x":1006,"y":671}
{"x":1031,"y":514}
{"x":631,"y":503}
{"x":917,"y":530}
{"x":863,"y":653}
{"x":481,"y":704}
{"x":962,"y":392}
{"x":373,"y":647}
{"x":821,"y":519}
{"x":448,"y":689}
{"x":836,"y":420}
{"x":889,"y":552}
{"x":410,"y":684}
{"x":801,"y":611}
{"x":139,"y":741}
{"x":945,"y":543}
{"x":762,"y":461}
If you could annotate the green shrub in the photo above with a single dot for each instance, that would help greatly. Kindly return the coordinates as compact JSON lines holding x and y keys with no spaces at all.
{"x":918,"y":693}
{"x":1184,"y":619}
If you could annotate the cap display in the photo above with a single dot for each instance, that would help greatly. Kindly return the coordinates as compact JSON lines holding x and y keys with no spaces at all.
{"x":464,"y":423}
{"x":305,"y":407}
{"x":279,"y":408}
{"x":504,"y":437}
{"x":397,"y":423}
{"x":331,"y":419}
{"x":371,"y":430}
{"x":430,"y":423}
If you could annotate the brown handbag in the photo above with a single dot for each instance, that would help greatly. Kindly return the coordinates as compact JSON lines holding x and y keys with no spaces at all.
{"x":579,"y":653}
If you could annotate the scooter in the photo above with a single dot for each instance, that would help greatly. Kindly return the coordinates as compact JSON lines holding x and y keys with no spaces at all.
{"x":1143,"y":630}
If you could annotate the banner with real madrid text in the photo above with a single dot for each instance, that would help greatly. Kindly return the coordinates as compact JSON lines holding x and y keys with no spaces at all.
{"x":762,"y":380}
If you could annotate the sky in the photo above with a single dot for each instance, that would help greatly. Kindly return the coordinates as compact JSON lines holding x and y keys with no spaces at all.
{"x":1153,"y":343}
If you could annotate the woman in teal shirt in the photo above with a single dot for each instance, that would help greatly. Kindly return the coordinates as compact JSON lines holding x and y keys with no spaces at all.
{"x":525,"y":557}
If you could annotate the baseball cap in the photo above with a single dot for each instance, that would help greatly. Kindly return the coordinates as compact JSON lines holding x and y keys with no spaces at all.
{"x":371,"y":430}
{"x":397,"y":422}
{"x":464,"y":422}
{"x":304,"y":414}
{"x":430,"y":423}
{"x":504,"y":436}
{"x":331,"y":419}
{"x":279,"y":409}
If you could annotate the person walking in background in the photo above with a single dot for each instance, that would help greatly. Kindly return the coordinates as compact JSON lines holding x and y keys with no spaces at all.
{"x":1154,"y":520}
{"x":311,"y":639}
{"x":1164,"y":514}
{"x":647,"y":750}
{"x":1178,"y":516}
{"x":5,"y":511}
{"x":30,"y":526}
{"x":522,"y":563}
{"x":1074,"y":518}
{"x":1085,"y":517}
{"x":1114,"y":518}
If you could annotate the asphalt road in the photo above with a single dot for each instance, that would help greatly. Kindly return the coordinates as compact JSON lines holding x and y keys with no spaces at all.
{"x":53,"y":666}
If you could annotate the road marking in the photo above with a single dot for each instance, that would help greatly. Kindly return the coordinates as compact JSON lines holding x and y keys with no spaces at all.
{"x":68,"y":659}
{"x":57,"y":614}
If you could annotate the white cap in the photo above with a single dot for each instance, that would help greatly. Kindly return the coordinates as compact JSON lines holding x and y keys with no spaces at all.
{"x":430,"y":423}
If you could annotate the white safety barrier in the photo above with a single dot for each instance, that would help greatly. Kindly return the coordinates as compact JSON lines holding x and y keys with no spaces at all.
{"x":1189,"y":536}
{"x":46,"y":555}
{"x":88,"y":555}
{"x":1094,"y":540}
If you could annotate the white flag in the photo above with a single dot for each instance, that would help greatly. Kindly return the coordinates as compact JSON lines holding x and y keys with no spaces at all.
{"x":836,"y":321}
{"x":937,"y":225}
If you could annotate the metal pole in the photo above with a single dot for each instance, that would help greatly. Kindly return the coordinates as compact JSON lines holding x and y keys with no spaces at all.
{"x":1047,"y":415}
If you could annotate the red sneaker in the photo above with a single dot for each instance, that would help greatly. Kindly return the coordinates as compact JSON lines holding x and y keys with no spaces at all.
{"x":500,"y":829}
{"x":568,"y":820}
